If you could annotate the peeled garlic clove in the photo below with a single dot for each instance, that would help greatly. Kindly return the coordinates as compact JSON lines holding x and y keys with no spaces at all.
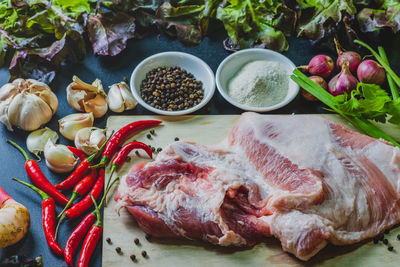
{"x":37,"y":140}
{"x":90,"y":139}
{"x":120,"y":98}
{"x":30,"y":116}
{"x":58,"y":157}
{"x":71,"y":124}
{"x":98,"y":106}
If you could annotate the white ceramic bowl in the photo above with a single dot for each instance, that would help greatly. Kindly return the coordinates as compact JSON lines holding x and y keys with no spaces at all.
{"x":233,"y":63}
{"x":200,"y":70}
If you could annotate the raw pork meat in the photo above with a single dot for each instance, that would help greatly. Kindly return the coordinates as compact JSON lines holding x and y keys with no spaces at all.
{"x":303,"y":179}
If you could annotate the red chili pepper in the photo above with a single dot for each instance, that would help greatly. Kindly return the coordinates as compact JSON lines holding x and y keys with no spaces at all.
{"x":48,"y":218}
{"x":76,"y":237}
{"x":79,"y":232}
{"x":80,"y":207}
{"x":33,"y":170}
{"x":77,"y":152}
{"x":121,"y":135}
{"x":81,"y":188}
{"x":91,"y":239}
{"x":119,"y":159}
{"x":80,"y":171}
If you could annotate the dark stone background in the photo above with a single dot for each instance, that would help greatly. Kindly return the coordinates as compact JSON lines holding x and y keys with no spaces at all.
{"x":111,"y":70}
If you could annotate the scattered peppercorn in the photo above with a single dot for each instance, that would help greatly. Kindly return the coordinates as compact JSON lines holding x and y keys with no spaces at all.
{"x":398,"y":237}
{"x":148,"y":136}
{"x":387,"y":231}
{"x":385,"y":241}
{"x":376,"y":240}
{"x":128,"y":159}
{"x":133,"y":257}
{"x":381,"y":237}
{"x":148,"y":237}
{"x":137,"y":241}
{"x":159,"y":150}
{"x":152,"y":132}
{"x":137,"y":153}
{"x":153,"y":149}
{"x":144,"y":254}
{"x":118,"y":250}
{"x":176,"y":139}
{"x":390,"y":248}
{"x":171,"y":88}
{"x":108,"y":240}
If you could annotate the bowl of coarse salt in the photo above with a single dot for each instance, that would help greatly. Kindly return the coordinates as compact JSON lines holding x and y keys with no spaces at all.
{"x":257,"y":80}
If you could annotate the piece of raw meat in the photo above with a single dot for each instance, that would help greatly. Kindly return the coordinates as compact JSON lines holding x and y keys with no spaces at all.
{"x":303,"y":179}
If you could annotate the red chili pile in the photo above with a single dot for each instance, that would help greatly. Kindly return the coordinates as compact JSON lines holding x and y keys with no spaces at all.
{"x":88,"y":183}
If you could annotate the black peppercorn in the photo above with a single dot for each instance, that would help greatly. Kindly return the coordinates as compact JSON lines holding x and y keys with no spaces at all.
{"x":176,"y":139}
{"x":390,"y":248}
{"x":148,"y":136}
{"x":398,"y":237}
{"x":159,"y":150}
{"x":385,"y":241}
{"x":144,"y":254}
{"x":108,"y":240}
{"x":118,"y":250}
{"x":169,"y":88}
{"x":133,"y":257}
{"x":148,"y":237}
{"x":381,"y":237}
{"x":387,"y":231}
{"x":376,"y":240}
{"x":137,"y":241}
{"x":152,"y":132}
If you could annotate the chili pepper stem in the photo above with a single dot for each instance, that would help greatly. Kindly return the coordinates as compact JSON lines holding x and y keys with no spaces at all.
{"x":71,"y":200}
{"x":34,"y":188}
{"x":101,"y":164}
{"x":108,"y":188}
{"x":96,"y":210}
{"x":59,"y":223}
{"x":113,"y":169}
{"x":20,"y":149}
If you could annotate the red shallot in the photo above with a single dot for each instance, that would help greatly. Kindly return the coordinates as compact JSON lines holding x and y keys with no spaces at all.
{"x":342,"y":82}
{"x":353,"y":57}
{"x":321,"y":65}
{"x":370,"y":71}
{"x":318,"y":80}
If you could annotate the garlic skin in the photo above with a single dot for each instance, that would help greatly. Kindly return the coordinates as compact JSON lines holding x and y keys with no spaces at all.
{"x":36,"y":141}
{"x":87,"y":97}
{"x":26,"y":104}
{"x":71,"y":124}
{"x":58,"y":157}
{"x":90,"y":139}
{"x":120,"y":98}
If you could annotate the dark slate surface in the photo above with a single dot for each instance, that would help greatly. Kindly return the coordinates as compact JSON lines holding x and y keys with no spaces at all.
{"x":111,"y":70}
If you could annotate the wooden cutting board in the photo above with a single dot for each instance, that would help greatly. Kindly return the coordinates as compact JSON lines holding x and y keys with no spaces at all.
{"x":208,"y":130}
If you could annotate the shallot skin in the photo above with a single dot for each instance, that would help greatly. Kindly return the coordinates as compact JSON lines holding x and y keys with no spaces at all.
{"x":369,"y":71}
{"x":342,"y":82}
{"x":353,"y":57}
{"x":321,"y":65}
{"x":318,"y":80}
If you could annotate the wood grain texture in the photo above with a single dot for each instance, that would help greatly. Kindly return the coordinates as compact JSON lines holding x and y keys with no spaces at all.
{"x":208,"y":130}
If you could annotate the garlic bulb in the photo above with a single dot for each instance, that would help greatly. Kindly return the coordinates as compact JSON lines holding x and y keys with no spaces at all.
{"x":87,"y":97}
{"x":37,"y":140}
{"x":71,"y":124}
{"x":26,"y":104}
{"x":58,"y":157}
{"x":120,"y":98}
{"x":90,"y":139}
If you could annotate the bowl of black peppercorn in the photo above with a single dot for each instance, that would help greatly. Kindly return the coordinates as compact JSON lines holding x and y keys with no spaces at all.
{"x":172,"y":83}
